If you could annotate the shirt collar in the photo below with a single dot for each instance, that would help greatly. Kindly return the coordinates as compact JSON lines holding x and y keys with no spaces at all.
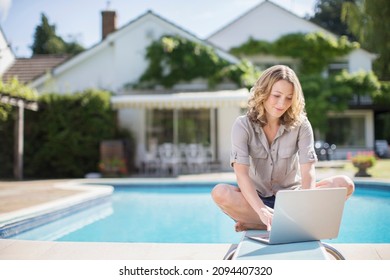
{"x":282,"y":128}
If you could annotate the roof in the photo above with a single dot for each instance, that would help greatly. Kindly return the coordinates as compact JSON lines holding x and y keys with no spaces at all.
{"x":263,"y":3}
{"x":27,"y":69}
{"x":192,"y":36}
{"x":111,"y":37}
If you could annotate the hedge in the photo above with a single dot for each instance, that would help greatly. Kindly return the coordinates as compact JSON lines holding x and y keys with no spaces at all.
{"x":62,"y":139}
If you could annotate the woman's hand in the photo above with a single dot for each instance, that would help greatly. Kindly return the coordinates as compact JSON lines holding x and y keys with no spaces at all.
{"x":266,"y":217}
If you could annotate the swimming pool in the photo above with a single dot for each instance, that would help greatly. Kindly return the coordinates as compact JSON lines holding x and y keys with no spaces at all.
{"x":178,"y":212}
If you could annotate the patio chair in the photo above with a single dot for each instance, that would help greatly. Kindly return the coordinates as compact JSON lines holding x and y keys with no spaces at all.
{"x":151,"y":163}
{"x":170,"y":158}
{"x":196,"y":158}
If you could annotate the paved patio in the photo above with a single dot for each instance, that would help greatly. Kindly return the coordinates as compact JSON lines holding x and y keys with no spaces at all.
{"x":19,"y":197}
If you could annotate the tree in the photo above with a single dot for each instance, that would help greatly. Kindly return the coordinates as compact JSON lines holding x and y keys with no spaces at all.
{"x":370,"y":22}
{"x":46,"y":41}
{"x":327,"y":14}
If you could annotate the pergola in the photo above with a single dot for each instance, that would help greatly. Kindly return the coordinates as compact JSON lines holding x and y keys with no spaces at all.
{"x":21,"y":104}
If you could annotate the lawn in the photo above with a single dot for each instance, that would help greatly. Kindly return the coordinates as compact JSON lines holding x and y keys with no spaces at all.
{"x":381,"y":170}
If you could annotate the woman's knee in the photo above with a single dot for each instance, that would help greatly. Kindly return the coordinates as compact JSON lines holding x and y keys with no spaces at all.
{"x":344,"y":182}
{"x":348,"y":183}
{"x":220,"y":194}
{"x":339,"y":181}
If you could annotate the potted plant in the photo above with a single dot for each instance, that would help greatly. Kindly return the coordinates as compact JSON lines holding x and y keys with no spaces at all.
{"x":363,"y":160}
{"x":113,"y":167}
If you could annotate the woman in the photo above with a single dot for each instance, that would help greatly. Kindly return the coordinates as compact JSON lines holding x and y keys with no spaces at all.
{"x":272,"y":150}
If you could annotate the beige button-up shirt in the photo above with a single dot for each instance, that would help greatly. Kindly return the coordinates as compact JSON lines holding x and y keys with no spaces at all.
{"x":272,"y":167}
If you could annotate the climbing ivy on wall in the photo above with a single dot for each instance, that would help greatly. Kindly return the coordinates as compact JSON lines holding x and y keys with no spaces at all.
{"x":314,"y":50}
{"x":382,"y":96}
{"x":174,"y":59}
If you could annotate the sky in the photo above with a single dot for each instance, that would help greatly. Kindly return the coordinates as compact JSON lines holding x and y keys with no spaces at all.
{"x":80,"y":20}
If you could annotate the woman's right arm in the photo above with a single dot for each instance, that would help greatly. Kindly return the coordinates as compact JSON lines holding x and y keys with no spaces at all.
{"x":248,"y":190}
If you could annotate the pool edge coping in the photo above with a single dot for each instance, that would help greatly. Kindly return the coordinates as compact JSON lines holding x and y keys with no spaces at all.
{"x":87,"y":194}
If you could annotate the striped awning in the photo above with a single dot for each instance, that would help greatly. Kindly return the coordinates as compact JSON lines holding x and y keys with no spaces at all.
{"x":185,"y":100}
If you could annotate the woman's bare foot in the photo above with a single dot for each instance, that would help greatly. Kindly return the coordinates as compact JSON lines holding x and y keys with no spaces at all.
{"x":245,"y":226}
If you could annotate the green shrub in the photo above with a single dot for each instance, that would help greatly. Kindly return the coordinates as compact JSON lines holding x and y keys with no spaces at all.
{"x":62,"y":139}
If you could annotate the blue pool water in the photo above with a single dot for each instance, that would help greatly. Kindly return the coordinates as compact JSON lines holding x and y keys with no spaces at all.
{"x":183,"y":213}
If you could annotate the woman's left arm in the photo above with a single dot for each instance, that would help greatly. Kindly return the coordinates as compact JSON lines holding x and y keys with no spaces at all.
{"x":308,"y":175}
{"x":307,"y":155}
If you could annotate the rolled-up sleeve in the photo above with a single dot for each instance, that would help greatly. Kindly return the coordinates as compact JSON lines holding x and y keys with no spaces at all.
{"x":306,"y":144}
{"x":239,"y":139}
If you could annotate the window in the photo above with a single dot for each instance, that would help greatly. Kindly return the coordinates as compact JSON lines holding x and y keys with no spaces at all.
{"x":178,"y":126}
{"x":159,"y":126}
{"x":347,"y":131}
{"x":194,"y":126}
{"x":337,"y":67}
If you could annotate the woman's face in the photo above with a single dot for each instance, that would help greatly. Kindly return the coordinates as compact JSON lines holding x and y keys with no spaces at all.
{"x":279,"y":100}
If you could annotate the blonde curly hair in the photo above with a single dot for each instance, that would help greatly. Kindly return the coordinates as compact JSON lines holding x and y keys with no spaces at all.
{"x":262,"y":89}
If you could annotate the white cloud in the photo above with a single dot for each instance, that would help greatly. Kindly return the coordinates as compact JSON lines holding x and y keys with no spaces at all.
{"x":5,"y":5}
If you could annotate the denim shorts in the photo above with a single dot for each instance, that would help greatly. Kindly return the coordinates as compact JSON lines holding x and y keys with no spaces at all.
{"x":268,"y":201}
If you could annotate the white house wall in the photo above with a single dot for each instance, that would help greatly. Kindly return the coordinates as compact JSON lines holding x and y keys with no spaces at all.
{"x":360,"y":60}
{"x":94,"y":72}
{"x":109,"y":65}
{"x":130,"y":48}
{"x":7,"y":57}
{"x":226,"y":118}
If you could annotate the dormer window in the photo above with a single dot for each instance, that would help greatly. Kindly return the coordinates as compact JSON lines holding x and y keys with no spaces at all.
{"x":337,"y":67}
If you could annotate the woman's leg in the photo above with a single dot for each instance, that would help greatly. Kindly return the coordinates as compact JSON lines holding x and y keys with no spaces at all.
{"x":337,"y":182}
{"x":232,"y":202}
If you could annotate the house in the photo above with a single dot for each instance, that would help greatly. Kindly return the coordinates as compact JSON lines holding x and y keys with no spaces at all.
{"x":268,"y":21}
{"x":189,"y":112}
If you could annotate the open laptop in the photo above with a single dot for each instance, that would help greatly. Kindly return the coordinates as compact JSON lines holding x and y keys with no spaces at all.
{"x":305,"y":215}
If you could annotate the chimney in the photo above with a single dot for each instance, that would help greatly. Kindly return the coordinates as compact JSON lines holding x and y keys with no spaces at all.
{"x":108,"y":23}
